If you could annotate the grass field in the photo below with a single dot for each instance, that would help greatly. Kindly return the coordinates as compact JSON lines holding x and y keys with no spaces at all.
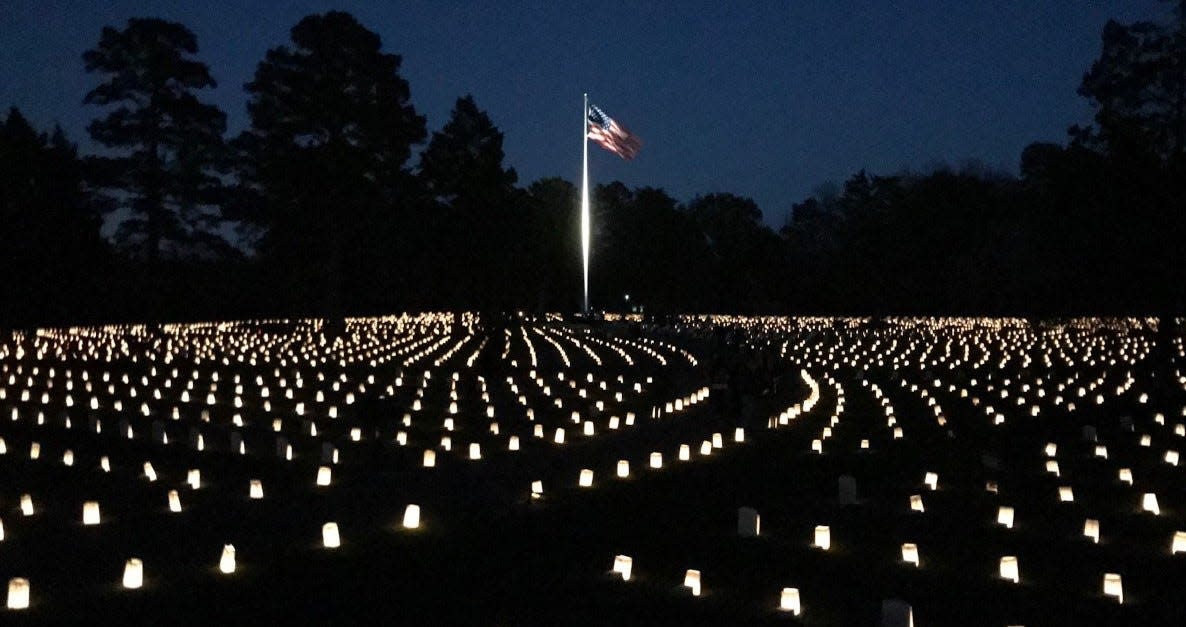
{"x":985,"y":405}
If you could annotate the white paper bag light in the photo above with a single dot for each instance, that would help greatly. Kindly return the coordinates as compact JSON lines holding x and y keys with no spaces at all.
{"x":18,"y":593}
{"x":623,"y":564}
{"x":1149,"y":503}
{"x":226,"y":563}
{"x":412,"y":517}
{"x":1009,"y":568}
{"x":692,"y":581}
{"x":1005,"y":516}
{"x":910,"y":553}
{"x":90,"y":513}
{"x":823,"y":537}
{"x":788,"y":601}
{"x":1113,"y":587}
{"x":133,"y":573}
{"x":1178,"y":545}
{"x":329,"y":535}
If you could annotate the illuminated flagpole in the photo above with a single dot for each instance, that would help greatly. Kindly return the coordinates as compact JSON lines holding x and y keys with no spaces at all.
{"x":585,"y":199}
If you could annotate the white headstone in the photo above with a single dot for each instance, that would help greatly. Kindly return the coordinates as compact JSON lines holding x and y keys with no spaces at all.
{"x":896,"y":613}
{"x":748,"y":523}
{"x":848,"y":490}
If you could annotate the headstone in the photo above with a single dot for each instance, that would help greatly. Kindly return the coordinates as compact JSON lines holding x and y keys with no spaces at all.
{"x":1126,"y":423}
{"x":748,"y":523}
{"x":1089,"y":434}
{"x":327,"y":453}
{"x":991,"y":462}
{"x":848,"y":490}
{"x":281,"y":446}
{"x":896,"y":613}
{"x":158,"y":432}
{"x":236,"y":441}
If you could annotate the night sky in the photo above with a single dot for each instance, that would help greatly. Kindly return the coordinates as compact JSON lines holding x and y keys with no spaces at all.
{"x":766,"y":101}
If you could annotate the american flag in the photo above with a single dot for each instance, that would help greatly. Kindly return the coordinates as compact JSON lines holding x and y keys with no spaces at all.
{"x":612,"y":136}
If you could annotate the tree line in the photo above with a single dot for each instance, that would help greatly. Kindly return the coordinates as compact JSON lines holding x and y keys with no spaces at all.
{"x":335,"y":201}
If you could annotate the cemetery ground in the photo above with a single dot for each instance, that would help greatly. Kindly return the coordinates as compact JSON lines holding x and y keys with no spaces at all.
{"x":998,"y":413}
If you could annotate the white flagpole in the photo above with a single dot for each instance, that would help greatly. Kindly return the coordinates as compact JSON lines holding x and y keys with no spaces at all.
{"x":585,"y":199}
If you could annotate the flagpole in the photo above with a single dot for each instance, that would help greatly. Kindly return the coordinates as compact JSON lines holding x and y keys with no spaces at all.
{"x":585,"y":199}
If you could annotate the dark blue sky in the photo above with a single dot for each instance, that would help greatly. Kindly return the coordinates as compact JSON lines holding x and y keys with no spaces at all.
{"x":765,"y":99}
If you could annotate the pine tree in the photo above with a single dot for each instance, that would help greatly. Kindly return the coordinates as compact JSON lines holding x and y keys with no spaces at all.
{"x":170,"y":143}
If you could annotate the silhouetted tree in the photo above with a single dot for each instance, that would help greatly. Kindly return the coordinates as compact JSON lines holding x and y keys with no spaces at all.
{"x":484,"y":247}
{"x":644,"y":246}
{"x":554,"y":238}
{"x":462,"y":165}
{"x":324,"y":160}
{"x":53,"y":258}
{"x":1138,"y":89}
{"x":749,"y":267}
{"x":167,"y":176}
